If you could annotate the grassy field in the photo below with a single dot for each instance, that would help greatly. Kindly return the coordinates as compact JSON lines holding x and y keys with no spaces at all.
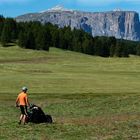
{"x":90,"y":98}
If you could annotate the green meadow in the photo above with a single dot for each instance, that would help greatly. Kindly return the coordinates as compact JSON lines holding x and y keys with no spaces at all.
{"x":89,"y":98}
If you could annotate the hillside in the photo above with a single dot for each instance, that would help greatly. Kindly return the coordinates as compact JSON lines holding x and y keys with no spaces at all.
{"x":120,"y":24}
{"x":28,"y":66}
{"x":88,"y":97}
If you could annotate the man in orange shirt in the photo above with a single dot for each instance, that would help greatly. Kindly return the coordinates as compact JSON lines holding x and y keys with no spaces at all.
{"x":22,"y":102}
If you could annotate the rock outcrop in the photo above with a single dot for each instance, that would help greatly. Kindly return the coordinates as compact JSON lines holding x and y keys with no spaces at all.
{"x":121,"y":24}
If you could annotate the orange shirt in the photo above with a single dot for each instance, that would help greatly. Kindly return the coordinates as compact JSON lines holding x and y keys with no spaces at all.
{"x":22,"y":99}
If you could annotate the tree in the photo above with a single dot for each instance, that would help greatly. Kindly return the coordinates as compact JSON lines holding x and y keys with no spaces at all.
{"x":98,"y":46}
{"x":87,"y":46}
{"x":41,"y":40}
{"x":9,"y":31}
{"x":55,"y":42}
{"x":30,"y":40}
{"x":121,"y":49}
{"x":2,"y":19}
{"x":22,"y":39}
{"x":138,"y":50}
{"x":112,"y":46}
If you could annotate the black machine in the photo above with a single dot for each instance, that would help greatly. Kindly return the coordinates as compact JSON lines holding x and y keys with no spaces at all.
{"x":36,"y":115}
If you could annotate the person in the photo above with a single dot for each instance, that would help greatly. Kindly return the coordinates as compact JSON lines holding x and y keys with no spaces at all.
{"x":22,"y":102}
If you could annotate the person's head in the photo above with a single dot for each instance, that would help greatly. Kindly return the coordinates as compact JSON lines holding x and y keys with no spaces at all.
{"x":24,"y":89}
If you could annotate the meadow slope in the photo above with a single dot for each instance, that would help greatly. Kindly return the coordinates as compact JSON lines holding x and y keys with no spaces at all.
{"x":90,"y":98}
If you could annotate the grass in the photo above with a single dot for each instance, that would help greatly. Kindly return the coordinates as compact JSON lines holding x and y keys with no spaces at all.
{"x":90,"y":98}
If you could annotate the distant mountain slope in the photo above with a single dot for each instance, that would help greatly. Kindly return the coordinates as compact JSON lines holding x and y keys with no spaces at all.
{"x":121,"y":24}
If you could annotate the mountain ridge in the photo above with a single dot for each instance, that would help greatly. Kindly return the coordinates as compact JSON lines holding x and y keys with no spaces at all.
{"x":118,"y":23}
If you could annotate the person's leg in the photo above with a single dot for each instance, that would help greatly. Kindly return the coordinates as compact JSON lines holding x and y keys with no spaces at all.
{"x":24,"y":119}
{"x":20,"y":119}
{"x":22,"y":114}
{"x":25,"y":114}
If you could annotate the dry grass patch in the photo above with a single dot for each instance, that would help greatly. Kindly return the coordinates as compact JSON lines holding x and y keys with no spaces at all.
{"x":106,"y":120}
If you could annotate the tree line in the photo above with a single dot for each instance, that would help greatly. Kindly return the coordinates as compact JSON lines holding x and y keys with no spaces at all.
{"x":34,"y":35}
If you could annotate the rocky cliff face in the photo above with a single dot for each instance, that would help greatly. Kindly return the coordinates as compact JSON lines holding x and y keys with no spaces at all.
{"x":121,"y":24}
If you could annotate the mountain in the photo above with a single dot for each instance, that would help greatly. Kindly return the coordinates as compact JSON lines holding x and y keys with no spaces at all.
{"x":121,"y":24}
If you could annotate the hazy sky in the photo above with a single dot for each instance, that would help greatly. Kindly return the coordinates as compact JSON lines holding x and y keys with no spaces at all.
{"x":13,"y":8}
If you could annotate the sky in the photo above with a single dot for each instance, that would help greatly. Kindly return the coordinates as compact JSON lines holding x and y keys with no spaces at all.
{"x":13,"y":8}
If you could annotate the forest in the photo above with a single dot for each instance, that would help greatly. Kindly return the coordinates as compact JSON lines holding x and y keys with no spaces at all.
{"x":37,"y":36}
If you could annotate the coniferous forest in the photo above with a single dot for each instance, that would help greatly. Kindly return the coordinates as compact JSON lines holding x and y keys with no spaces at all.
{"x":34,"y":35}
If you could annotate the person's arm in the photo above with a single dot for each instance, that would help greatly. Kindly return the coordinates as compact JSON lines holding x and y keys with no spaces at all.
{"x":17,"y":100}
{"x":27,"y":101}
